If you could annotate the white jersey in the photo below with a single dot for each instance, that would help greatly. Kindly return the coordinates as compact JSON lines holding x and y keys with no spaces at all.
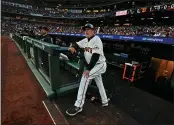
{"x":95,"y":45}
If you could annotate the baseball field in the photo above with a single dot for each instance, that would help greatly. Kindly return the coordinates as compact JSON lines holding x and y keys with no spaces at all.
{"x":21,"y":95}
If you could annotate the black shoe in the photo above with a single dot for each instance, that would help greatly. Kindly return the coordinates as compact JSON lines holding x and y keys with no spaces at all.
{"x":73,"y":111}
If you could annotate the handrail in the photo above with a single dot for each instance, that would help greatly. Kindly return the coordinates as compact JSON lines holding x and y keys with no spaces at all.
{"x":47,"y":47}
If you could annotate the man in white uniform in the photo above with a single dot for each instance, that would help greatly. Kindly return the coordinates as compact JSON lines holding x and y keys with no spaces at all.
{"x":92,"y":47}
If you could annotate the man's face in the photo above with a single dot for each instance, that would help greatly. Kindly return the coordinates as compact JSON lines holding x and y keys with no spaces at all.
{"x":89,"y":32}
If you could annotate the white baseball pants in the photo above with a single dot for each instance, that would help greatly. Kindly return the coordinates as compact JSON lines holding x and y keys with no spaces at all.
{"x":95,"y":74}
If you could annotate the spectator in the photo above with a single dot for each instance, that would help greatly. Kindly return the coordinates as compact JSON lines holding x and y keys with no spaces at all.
{"x":11,"y":26}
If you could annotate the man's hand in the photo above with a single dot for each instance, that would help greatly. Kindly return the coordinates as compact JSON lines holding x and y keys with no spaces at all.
{"x":86,"y":73}
{"x":72,"y":50}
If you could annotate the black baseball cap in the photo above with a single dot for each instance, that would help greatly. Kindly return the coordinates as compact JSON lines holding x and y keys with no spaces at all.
{"x":88,"y":25}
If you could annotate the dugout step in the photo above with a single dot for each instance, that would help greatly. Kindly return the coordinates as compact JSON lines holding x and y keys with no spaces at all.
{"x":136,"y":104}
{"x":93,"y":113}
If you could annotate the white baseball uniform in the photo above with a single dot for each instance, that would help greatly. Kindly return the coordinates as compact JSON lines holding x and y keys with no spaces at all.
{"x":95,"y":45}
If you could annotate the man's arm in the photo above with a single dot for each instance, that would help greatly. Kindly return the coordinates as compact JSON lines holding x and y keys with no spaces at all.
{"x":90,"y":66}
{"x":96,"y":51}
{"x":94,"y":59}
{"x":75,"y":47}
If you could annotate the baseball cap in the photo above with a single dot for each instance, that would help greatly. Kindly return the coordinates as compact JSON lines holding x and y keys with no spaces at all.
{"x":88,"y":25}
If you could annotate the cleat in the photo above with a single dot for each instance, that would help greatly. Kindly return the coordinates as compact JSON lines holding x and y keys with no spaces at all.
{"x":73,"y":111}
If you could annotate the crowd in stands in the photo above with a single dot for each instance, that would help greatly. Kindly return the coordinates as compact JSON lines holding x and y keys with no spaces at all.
{"x":55,"y":12}
{"x":50,"y":13}
{"x":22,"y":26}
{"x":7,"y":27}
{"x":156,"y":31}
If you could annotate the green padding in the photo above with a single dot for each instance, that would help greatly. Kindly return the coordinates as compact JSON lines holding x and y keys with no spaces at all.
{"x":74,"y":65}
{"x":47,"y":89}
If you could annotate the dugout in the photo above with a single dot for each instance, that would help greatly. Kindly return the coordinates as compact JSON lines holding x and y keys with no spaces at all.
{"x":151,"y":55}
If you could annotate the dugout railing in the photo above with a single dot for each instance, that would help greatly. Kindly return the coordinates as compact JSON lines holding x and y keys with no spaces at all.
{"x":60,"y":75}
